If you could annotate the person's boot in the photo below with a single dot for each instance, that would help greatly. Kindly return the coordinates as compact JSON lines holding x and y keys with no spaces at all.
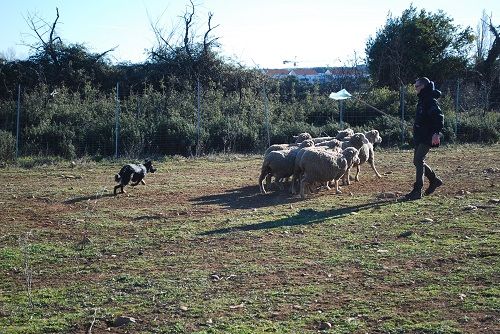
{"x":415,"y":194}
{"x":434,"y":183}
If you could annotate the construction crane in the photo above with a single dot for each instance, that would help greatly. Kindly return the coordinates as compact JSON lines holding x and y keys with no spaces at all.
{"x":294,"y":62}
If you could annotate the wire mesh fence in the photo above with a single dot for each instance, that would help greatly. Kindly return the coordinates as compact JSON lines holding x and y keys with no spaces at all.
{"x":127,"y":123}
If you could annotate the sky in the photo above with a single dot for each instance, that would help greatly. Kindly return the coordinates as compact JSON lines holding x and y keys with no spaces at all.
{"x":256,"y":33}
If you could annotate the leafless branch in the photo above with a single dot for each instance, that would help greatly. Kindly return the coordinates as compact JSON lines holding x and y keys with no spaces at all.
{"x":207,"y":43}
{"x":188,"y":19}
{"x":102,"y":54}
{"x":36,"y":24}
{"x":161,"y":40}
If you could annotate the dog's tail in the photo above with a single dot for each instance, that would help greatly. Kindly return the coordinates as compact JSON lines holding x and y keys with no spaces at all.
{"x":118,"y":178}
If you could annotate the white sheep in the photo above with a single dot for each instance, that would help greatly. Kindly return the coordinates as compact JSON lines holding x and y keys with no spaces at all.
{"x":297,"y":170}
{"x":301,"y":137}
{"x":366,"y":154}
{"x":279,"y":147}
{"x":333,"y":143}
{"x":318,"y":140}
{"x":344,"y":133}
{"x":357,"y":141}
{"x":297,"y":140}
{"x":323,"y":166}
{"x":280,"y":164}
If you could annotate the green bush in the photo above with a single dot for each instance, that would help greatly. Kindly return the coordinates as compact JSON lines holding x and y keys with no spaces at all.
{"x":480,"y":127}
{"x":391,"y":130}
{"x":175,"y":136}
{"x":7,"y":146}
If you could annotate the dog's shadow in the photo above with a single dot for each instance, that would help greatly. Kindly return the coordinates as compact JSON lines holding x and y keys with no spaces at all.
{"x":248,"y":197}
{"x":87,"y":198}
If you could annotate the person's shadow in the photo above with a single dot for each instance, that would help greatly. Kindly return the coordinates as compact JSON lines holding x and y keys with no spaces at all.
{"x":303,"y":217}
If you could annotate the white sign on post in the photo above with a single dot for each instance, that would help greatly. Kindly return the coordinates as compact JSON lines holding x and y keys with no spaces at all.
{"x":339,"y":96}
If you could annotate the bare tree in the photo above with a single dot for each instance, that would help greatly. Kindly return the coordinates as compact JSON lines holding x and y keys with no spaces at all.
{"x":186,"y":39}
{"x":483,"y":37}
{"x":487,"y":55}
{"x":46,"y":35}
{"x":49,"y":43}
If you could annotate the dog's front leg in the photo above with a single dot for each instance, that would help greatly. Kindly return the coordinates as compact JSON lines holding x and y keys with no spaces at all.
{"x":121,"y":189}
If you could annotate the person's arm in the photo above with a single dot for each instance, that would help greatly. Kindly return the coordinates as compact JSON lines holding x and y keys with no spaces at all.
{"x":437,"y":123}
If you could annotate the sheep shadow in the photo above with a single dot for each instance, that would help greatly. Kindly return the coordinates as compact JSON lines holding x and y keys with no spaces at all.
{"x":248,"y":197}
{"x":303,"y":217}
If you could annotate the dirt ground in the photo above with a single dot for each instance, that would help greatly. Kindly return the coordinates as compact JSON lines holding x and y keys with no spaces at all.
{"x":195,"y":207}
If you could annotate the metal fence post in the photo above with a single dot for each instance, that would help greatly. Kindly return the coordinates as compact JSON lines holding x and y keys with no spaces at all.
{"x":266,"y":112}
{"x":198,"y":118}
{"x":341,"y":109}
{"x":457,"y":107}
{"x":18,"y":118}
{"x":117,"y":118}
{"x":402,"y":106}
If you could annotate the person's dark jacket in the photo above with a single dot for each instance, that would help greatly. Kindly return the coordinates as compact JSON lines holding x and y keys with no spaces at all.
{"x":429,"y":118}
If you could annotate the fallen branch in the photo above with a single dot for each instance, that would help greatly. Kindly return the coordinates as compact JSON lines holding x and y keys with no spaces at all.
{"x":89,"y":330}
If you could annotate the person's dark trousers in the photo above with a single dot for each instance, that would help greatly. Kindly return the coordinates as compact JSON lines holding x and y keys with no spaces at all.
{"x":421,"y":167}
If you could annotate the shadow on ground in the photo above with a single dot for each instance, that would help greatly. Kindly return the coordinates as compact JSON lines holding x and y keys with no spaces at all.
{"x":247,"y":197}
{"x":86,"y":198}
{"x":303,"y":217}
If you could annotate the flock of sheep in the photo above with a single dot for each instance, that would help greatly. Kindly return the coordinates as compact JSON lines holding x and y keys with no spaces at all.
{"x":315,"y":162}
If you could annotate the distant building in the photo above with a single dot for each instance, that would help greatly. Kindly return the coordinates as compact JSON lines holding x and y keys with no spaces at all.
{"x":312,"y":75}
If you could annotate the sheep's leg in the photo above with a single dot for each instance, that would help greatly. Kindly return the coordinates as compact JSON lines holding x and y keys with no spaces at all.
{"x":263,"y":175}
{"x":337,"y":188}
{"x":328,"y":185}
{"x":345,"y":178}
{"x":268,"y":179}
{"x":280,"y":183}
{"x":295,"y":179}
{"x":372,"y":163}
{"x":357,"y":173}
{"x":303,"y":185}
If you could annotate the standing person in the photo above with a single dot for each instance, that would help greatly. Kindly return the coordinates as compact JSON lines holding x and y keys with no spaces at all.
{"x":429,"y":122}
